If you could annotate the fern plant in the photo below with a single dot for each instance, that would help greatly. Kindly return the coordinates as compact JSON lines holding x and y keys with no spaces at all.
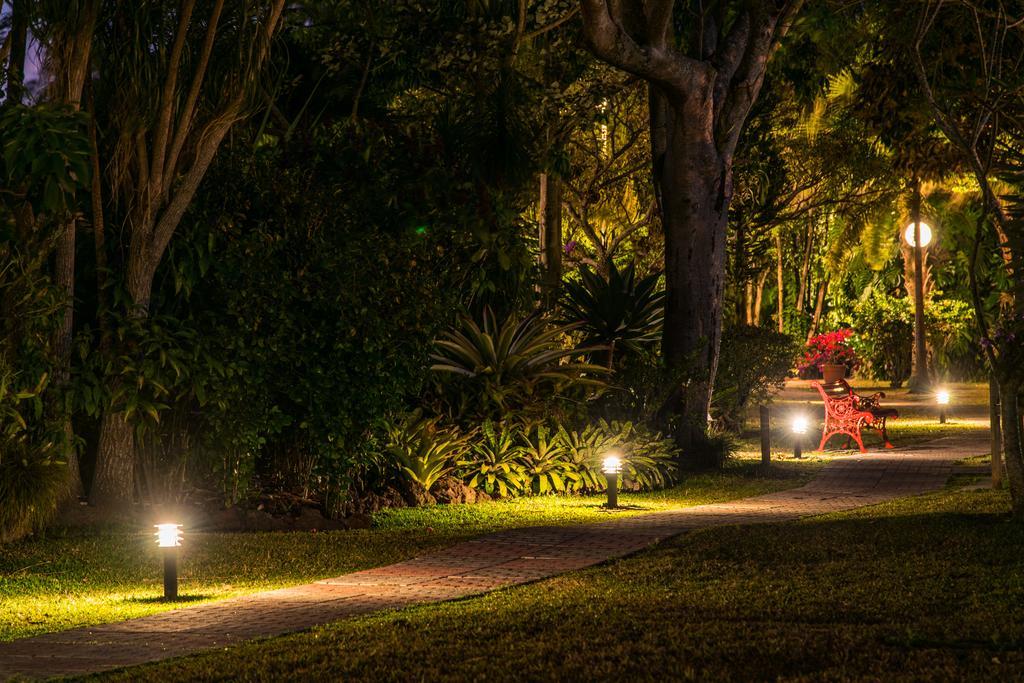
{"x":423,"y":451}
{"x":546,"y":463}
{"x":494,"y":461}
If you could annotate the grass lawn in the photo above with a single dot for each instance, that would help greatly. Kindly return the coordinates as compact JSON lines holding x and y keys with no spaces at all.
{"x":73,"y":579}
{"x":926,"y":588}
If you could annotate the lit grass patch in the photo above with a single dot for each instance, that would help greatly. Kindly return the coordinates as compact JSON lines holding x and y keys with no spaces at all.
{"x":75,"y":579}
{"x":925,"y":588}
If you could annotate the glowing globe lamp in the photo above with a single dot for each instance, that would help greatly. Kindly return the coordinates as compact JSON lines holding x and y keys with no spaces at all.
{"x":926,"y":235}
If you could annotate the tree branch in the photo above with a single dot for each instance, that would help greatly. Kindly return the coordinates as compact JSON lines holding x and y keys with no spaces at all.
{"x":167,"y":97}
{"x":188,"y":109}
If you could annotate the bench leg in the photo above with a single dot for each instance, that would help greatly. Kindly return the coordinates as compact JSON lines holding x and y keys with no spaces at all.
{"x":885,"y":435}
{"x":860,"y":442}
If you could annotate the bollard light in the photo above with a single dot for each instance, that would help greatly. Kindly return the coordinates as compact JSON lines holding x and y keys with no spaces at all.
{"x":612,"y":466}
{"x":942,"y":398}
{"x":168,"y":538}
{"x":798,"y":426}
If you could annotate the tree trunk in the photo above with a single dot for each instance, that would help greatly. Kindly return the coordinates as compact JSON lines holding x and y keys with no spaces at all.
{"x":18,"y":46}
{"x":550,"y":239}
{"x":819,"y":306}
{"x":114,"y":478}
{"x":779,"y":282}
{"x":919,"y":378}
{"x":996,"y":431}
{"x":759,"y":297}
{"x":805,"y":267}
{"x":1009,"y":412}
{"x":696,"y":186}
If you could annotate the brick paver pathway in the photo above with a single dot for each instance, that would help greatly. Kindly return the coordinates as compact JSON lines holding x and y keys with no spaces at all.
{"x":484,"y":564}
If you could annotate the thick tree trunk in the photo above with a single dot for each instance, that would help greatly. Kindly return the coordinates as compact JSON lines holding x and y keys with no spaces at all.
{"x":114,"y":477}
{"x":1009,"y":409}
{"x":550,"y":239}
{"x":113,"y":481}
{"x":696,"y":186}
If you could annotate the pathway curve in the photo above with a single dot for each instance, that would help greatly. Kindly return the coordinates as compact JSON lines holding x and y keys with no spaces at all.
{"x":495,"y":561}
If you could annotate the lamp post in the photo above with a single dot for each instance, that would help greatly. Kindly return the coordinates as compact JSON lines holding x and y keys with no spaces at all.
{"x":798,"y":426}
{"x":612,"y":466}
{"x":918,"y":235}
{"x":168,"y":538}
{"x":942,"y":398}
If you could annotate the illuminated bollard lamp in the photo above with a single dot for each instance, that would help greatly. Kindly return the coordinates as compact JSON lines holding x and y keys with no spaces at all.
{"x":942,"y":398}
{"x":798,"y":426}
{"x":612,"y":466}
{"x":168,"y":538}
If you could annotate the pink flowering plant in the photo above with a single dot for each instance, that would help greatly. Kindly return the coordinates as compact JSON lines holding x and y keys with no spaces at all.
{"x":831,"y":348}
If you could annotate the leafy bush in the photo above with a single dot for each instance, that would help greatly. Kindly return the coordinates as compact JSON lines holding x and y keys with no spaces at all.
{"x":516,"y":366}
{"x":753,"y":364}
{"x":494,"y":461}
{"x":423,"y":451}
{"x":32,"y":484}
{"x":885,"y":337}
{"x":618,"y":313}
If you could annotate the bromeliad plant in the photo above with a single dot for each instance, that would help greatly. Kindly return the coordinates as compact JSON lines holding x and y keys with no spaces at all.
{"x":494,"y":462}
{"x":650,"y":457}
{"x":424,"y":451}
{"x":831,"y":348}
{"x":547,"y":465}
{"x":619,"y":313}
{"x":584,"y":450}
{"x":512,"y":366}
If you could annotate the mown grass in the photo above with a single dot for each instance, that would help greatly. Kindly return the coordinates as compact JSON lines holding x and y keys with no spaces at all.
{"x":70,"y":579}
{"x":925,"y":588}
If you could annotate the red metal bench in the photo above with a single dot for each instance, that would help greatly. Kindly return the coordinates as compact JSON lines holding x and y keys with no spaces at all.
{"x":846,"y":412}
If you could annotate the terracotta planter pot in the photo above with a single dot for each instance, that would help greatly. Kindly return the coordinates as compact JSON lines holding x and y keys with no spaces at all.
{"x":832,"y":372}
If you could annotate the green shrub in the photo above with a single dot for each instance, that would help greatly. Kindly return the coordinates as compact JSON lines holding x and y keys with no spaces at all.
{"x":753,"y":365}
{"x":32,"y":484}
{"x":885,"y":336}
{"x":494,"y":461}
{"x":423,"y":451}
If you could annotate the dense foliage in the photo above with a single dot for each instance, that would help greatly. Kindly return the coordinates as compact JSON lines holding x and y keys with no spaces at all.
{"x":408,"y":244}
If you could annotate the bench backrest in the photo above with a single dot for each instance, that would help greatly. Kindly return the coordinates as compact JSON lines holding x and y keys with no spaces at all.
{"x":839,"y":399}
